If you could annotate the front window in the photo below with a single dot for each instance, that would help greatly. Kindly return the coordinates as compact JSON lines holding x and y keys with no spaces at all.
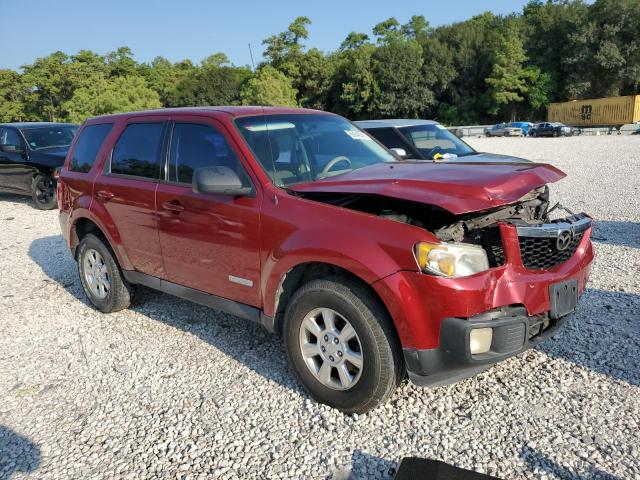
{"x":433,"y":141}
{"x":40,"y":138}
{"x":297,"y":148}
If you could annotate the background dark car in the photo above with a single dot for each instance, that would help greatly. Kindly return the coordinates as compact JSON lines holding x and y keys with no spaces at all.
{"x":550,"y":129}
{"x":29,"y":154}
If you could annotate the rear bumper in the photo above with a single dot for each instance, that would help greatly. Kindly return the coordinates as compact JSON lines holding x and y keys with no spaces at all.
{"x":513,"y":332}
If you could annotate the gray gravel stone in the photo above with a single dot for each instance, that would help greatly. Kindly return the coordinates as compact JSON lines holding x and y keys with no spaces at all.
{"x":169,"y":389}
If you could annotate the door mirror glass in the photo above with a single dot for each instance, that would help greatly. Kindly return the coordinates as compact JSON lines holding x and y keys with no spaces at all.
{"x":11,"y":148}
{"x":219,"y":180}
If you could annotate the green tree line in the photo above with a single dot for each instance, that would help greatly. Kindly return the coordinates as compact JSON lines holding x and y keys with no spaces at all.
{"x":481,"y":70}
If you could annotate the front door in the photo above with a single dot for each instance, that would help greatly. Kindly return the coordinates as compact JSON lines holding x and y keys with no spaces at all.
{"x":209,"y":242}
{"x":14,"y":173}
{"x":127,"y":189}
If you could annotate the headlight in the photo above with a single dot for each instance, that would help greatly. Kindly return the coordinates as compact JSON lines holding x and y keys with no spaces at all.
{"x":451,"y":259}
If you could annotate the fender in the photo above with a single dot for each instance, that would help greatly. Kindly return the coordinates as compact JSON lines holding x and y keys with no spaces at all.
{"x":95,"y":212}
{"x":359,"y":255}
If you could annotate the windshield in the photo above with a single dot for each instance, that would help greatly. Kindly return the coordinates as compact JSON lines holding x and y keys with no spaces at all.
{"x":49,"y":137}
{"x":434,"y":141}
{"x":297,"y":148}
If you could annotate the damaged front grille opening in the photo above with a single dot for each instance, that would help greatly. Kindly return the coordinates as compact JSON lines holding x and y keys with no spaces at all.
{"x":478,"y":228}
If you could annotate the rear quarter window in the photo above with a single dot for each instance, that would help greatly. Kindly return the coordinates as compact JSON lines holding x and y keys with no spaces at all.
{"x":87,"y":147}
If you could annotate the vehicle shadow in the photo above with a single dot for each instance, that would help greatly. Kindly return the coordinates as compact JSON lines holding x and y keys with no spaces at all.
{"x":15,"y":198}
{"x":603,"y":335}
{"x":539,"y":462}
{"x":18,"y":454}
{"x":240,"y":339}
{"x":625,"y":234}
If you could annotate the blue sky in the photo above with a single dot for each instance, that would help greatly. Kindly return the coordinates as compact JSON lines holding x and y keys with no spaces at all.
{"x":194,"y":29}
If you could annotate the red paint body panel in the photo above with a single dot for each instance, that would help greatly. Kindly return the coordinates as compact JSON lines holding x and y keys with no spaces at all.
{"x":261,"y":238}
{"x":456,"y":187}
{"x":418,"y":303}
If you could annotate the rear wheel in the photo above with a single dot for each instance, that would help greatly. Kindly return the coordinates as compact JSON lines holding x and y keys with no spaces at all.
{"x":341,"y":345}
{"x":43,"y":192}
{"x":533,"y":133}
{"x":555,"y":133}
{"x":101,"y":277}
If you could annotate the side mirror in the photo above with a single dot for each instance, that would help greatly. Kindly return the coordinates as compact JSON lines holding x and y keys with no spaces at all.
{"x":11,"y":148}
{"x":401,"y":152}
{"x":220,"y":181}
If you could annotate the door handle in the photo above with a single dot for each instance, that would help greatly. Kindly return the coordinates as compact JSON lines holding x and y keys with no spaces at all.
{"x":104,"y":195}
{"x":173,"y":206}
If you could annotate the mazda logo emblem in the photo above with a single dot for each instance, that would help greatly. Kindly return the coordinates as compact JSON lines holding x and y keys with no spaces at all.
{"x":563,"y":240}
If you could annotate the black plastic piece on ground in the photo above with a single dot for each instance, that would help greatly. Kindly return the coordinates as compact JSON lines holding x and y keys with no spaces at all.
{"x":414,"y":468}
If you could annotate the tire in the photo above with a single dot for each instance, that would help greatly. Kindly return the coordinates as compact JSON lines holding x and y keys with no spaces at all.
{"x":381,"y":365}
{"x":43,"y":192}
{"x":118,"y":294}
{"x":532,"y":134}
{"x":555,"y":133}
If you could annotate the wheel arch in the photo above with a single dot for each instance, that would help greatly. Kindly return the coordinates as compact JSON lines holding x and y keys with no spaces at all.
{"x":303,"y":273}
{"x":84,"y":225}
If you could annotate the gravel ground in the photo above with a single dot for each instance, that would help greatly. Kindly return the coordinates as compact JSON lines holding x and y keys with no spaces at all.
{"x":169,"y":389}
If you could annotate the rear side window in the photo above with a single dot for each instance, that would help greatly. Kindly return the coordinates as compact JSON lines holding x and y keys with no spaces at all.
{"x":137,"y":152}
{"x":87,"y":147}
{"x":195,"y":146}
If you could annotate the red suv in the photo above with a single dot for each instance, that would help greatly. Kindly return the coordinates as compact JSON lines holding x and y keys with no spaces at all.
{"x":369,"y":267}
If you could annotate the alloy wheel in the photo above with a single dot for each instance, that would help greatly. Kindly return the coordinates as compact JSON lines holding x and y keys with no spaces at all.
{"x":44,"y":190}
{"x":96,"y":275}
{"x":331,"y":349}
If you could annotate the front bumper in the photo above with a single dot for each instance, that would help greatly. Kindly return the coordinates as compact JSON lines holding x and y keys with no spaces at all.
{"x":433,"y":315}
{"x":513,"y":332}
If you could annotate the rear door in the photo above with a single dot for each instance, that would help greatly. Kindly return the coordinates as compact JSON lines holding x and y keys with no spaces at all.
{"x":209,"y":242}
{"x":127,"y":188}
{"x":14,"y":174}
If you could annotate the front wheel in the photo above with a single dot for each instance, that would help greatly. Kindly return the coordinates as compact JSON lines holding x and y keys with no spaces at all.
{"x":43,"y":192}
{"x":341,"y":345}
{"x":555,"y":133}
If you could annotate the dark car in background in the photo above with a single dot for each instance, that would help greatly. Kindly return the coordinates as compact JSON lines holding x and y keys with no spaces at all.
{"x":551,"y":129}
{"x":427,"y":140}
{"x":30,"y":152}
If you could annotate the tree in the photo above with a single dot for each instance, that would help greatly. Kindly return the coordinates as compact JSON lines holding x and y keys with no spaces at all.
{"x":507,"y":78}
{"x":12,"y":96}
{"x":215,"y":82}
{"x":283,"y":50}
{"x":353,"y":88}
{"x":121,"y":94}
{"x":399,"y":75}
{"x":269,"y":87}
{"x":354,"y":40}
{"x":50,"y":83}
{"x":121,"y":63}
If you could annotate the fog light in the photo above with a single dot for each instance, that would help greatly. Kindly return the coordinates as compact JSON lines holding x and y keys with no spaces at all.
{"x":480,"y":340}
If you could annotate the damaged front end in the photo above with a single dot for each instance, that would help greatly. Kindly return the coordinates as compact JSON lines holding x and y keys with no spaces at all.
{"x":548,"y":234}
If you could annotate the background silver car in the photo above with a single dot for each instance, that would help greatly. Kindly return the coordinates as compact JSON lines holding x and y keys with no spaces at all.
{"x":503,"y":130}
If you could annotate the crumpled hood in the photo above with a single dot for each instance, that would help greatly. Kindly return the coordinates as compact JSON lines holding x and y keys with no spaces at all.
{"x":454,"y":186}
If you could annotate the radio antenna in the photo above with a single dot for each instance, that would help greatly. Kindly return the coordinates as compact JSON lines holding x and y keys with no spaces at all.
{"x":266,"y":126}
